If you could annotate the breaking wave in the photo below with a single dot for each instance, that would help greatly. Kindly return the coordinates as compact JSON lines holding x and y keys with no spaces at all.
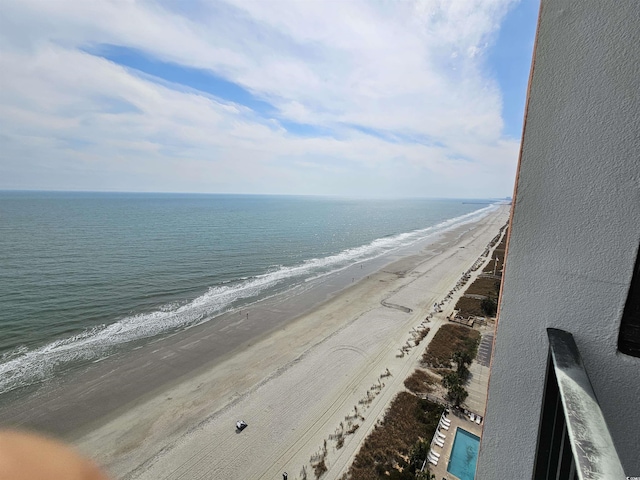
{"x":23,"y":367}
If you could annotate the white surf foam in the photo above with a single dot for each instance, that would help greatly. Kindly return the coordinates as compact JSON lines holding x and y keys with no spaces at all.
{"x":24,"y":367}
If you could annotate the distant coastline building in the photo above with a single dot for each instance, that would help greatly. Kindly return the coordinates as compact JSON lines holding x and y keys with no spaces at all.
{"x":571,"y":287}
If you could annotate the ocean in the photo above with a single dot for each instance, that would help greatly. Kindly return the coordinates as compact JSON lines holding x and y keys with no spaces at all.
{"x":84,"y":275}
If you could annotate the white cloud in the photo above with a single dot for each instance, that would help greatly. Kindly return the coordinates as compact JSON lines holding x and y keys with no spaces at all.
{"x":406,"y":69}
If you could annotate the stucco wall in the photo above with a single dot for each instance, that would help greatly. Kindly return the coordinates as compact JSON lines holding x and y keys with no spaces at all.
{"x":575,"y":230}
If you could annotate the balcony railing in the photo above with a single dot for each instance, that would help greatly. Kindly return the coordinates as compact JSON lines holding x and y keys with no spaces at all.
{"x":574,"y":442}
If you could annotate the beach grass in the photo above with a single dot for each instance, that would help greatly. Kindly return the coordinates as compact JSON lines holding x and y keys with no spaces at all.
{"x":498,"y":254}
{"x":420,"y":382}
{"x":488,"y":287}
{"x":468,"y":306}
{"x":450,"y":339}
{"x":387,"y":450}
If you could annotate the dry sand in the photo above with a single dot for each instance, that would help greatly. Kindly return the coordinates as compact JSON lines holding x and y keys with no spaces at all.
{"x":295,"y":386}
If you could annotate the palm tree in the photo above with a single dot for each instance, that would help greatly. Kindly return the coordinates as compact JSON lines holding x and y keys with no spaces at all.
{"x":462,"y":359}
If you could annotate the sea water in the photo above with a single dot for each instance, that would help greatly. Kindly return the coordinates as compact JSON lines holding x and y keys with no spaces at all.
{"x":84,"y":274}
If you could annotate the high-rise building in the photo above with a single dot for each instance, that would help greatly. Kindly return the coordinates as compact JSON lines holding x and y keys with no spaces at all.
{"x":572,"y":281}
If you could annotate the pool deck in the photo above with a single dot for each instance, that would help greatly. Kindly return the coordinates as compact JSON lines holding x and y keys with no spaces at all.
{"x":440,"y":471}
{"x":477,"y":387}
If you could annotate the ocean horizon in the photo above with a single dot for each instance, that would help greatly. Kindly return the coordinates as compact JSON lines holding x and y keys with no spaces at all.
{"x":87,"y":274}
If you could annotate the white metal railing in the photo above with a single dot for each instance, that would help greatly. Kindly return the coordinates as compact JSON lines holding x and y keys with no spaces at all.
{"x":593,"y":452}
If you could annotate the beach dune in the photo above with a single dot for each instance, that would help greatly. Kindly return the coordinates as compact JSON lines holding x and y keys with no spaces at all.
{"x":300,"y":386}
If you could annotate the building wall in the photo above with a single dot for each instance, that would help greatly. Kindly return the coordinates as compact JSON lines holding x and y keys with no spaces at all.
{"x":575,"y":230}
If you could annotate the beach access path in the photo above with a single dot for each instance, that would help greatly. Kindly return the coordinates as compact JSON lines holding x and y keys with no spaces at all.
{"x":297,"y":385}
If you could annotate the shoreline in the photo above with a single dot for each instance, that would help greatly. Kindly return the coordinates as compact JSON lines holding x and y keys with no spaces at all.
{"x":295,"y":385}
{"x":167,"y":392}
{"x":70,"y":406}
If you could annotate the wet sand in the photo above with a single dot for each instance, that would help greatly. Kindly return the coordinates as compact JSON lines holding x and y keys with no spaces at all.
{"x":168,"y":410}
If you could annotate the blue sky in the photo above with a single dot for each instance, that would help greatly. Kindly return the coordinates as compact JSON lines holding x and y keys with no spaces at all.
{"x":510,"y":61}
{"x":363,"y":98}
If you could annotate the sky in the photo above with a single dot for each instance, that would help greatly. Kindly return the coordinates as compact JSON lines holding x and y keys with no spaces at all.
{"x":323,"y":97}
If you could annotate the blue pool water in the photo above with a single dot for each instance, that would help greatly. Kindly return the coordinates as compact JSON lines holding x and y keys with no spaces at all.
{"x":464,"y":455}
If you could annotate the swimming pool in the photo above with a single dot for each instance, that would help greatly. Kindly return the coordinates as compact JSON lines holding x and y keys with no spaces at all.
{"x":464,"y":455}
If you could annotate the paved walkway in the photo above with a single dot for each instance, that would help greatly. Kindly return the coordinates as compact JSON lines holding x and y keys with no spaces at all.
{"x":478,"y":382}
{"x":477,"y":386}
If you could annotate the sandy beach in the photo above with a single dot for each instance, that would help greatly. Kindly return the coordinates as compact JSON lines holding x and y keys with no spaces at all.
{"x":294,"y":385}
